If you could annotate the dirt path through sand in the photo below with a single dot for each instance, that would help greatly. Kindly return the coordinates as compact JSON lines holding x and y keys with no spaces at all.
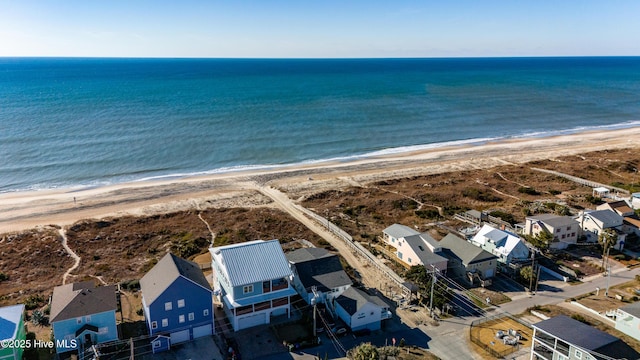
{"x":75,"y":256}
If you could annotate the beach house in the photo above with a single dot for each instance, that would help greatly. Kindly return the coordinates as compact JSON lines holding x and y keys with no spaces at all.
{"x":315,"y":268}
{"x":252,"y":282}
{"x":359,"y":310}
{"x":628,"y":320}
{"x":467,"y":261}
{"x":565,"y":230}
{"x":177,"y":302}
{"x":506,"y":246}
{"x":562,"y":337}
{"x":83,"y":315}
{"x":593,"y":222}
{"x":12,"y":329}
{"x":413,"y":248}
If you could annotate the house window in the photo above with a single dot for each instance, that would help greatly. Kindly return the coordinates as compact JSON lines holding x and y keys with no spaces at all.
{"x":399,"y":255}
{"x":247,"y":289}
{"x":156,"y":344}
{"x":568,"y":228}
{"x":578,"y":354}
{"x":154,"y":324}
{"x":557,"y":230}
{"x":564,"y":236}
{"x":105,"y":330}
{"x":191,"y":316}
{"x":79,"y":320}
{"x":409,"y":260}
{"x":279,"y":284}
{"x":205,"y":312}
{"x":165,"y":322}
{"x":181,"y":303}
{"x":168,"y":306}
{"x":181,"y":319}
{"x":573,"y":234}
{"x":266,"y":287}
{"x":87,"y":318}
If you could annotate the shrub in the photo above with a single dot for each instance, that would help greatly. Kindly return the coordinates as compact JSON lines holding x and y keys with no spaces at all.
{"x":480,"y":195}
{"x":3,"y":277}
{"x":528,"y":190}
{"x":504,"y":216}
{"x":428,"y":214}
{"x":33,"y":301}
{"x":555,"y":192}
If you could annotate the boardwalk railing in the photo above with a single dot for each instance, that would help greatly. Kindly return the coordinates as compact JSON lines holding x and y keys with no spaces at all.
{"x":581,"y":181}
{"x":357,"y":248}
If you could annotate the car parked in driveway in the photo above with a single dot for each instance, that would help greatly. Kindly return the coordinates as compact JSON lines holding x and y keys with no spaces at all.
{"x":339,"y":330}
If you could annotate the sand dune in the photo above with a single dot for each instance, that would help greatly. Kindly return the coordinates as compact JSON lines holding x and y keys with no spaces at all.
{"x":23,"y":210}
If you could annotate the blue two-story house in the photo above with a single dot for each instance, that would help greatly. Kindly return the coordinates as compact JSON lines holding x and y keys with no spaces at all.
{"x":252,"y":282}
{"x":177,"y":302}
{"x":83,"y":315}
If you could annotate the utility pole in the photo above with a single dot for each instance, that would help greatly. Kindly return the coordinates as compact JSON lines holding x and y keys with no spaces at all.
{"x":433,"y":283}
{"x":606,"y":291}
{"x":537,"y":281}
{"x":533,"y":260}
{"x":314,"y":302}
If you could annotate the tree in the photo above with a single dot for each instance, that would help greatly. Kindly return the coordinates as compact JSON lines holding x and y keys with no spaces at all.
{"x":419,"y":275}
{"x":527,"y":274}
{"x":364,"y":351}
{"x":542,"y":240}
{"x":607,"y":239}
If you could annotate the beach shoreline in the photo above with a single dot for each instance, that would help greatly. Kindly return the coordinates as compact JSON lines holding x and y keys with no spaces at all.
{"x":64,"y":206}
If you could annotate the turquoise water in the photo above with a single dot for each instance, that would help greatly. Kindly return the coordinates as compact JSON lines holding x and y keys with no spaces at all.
{"x":88,"y":122}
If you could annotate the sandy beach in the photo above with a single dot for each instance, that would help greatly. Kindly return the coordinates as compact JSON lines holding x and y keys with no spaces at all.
{"x":24,"y":210}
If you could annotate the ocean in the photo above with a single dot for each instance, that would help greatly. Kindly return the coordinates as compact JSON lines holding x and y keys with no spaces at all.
{"x":73,"y":122}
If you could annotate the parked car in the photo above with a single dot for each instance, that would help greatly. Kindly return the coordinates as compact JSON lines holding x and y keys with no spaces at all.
{"x":339,"y":330}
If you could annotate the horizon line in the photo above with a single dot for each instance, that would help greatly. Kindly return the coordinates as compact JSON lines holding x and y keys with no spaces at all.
{"x":323,"y":58}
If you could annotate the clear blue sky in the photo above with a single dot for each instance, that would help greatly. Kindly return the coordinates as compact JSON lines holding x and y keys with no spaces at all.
{"x":319,"y":28}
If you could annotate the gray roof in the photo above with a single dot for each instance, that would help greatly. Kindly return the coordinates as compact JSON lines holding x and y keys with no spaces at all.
{"x":554,"y":221}
{"x":605,"y":216}
{"x":455,"y":247}
{"x":166,"y":272}
{"x":307,"y":254}
{"x":352,"y":299}
{"x":399,"y":231}
{"x":81,"y":299}
{"x":253,"y":261}
{"x":417,"y":244}
{"x":633,"y":309}
{"x":586,"y":337}
{"x":10,"y":317}
{"x":325,"y":272}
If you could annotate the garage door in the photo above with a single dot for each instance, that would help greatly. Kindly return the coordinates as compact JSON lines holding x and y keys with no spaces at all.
{"x":488,"y":273}
{"x":180,"y":336}
{"x":200,"y":331}
{"x":253,"y":320}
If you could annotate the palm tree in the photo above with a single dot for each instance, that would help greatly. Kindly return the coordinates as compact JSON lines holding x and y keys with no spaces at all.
{"x":607,"y":239}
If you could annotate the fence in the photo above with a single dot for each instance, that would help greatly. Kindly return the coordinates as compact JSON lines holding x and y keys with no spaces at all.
{"x":357,"y":247}
{"x":476,"y":339}
{"x":582,"y":181}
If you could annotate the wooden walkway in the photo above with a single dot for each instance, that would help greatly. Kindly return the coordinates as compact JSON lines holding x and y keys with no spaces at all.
{"x":582,"y":181}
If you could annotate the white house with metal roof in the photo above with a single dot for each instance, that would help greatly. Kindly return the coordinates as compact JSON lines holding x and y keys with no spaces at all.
{"x":565,"y":230}
{"x":562,"y":337}
{"x":506,"y":246}
{"x":628,"y":320}
{"x":252,"y":281}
